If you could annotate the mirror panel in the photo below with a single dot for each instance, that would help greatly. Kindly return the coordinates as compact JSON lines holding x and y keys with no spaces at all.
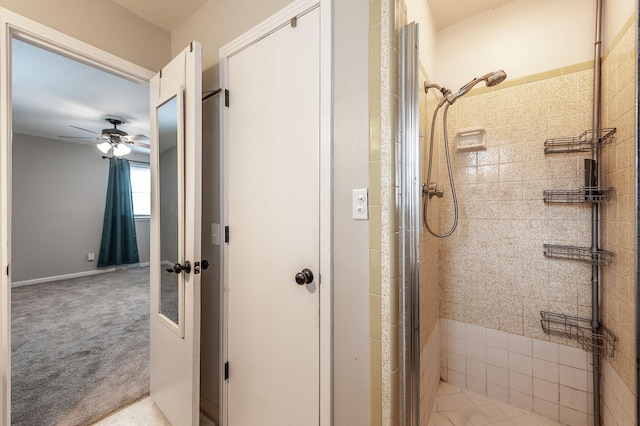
{"x":170,"y":193}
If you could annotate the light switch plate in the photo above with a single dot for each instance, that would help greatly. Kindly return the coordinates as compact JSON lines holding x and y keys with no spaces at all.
{"x":360,"y":204}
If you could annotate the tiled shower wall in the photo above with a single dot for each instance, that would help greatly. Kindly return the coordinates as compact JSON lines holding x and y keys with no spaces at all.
{"x":544,"y":377}
{"x":619,"y":220}
{"x":492,"y":269}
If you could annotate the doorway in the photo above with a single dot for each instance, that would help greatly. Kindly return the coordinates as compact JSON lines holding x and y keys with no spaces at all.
{"x":20,"y":28}
{"x":72,"y":322}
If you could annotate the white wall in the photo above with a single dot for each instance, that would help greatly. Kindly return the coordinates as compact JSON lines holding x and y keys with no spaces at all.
{"x":523,"y":37}
{"x":217,"y":23}
{"x":418,"y":11}
{"x":615,"y":14}
{"x":59,"y":192}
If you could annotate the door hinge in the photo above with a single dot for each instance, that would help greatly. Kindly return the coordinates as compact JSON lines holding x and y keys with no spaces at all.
{"x":7,"y":270}
{"x":226,"y":370}
{"x":226,"y":97}
{"x":226,"y":234}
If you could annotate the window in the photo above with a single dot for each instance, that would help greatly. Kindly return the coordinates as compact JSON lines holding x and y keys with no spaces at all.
{"x":141,"y":190}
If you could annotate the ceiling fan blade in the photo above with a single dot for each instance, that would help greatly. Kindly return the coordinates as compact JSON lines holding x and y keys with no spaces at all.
{"x":86,"y":130}
{"x":133,"y":138}
{"x":140,"y":144}
{"x":77,"y":137}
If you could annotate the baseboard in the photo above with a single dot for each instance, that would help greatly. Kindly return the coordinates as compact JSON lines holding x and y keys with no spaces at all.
{"x":77,"y":274}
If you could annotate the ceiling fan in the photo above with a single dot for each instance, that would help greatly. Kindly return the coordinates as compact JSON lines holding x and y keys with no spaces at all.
{"x":115,"y":139}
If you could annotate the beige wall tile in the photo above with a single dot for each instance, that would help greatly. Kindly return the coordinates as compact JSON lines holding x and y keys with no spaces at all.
{"x":619,"y":68}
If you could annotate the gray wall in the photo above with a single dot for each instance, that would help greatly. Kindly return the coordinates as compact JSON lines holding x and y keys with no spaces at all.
{"x":169,"y":205}
{"x":351,"y":238}
{"x":59,"y":191}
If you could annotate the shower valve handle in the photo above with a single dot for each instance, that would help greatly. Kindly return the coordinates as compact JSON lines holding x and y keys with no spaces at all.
{"x":432,"y":190}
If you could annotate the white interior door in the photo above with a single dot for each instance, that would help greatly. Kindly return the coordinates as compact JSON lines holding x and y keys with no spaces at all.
{"x":176,"y":169}
{"x":272,"y":163}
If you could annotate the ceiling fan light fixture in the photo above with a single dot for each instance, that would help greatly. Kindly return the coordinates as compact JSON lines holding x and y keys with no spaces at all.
{"x":104,"y":147}
{"x":121,"y":149}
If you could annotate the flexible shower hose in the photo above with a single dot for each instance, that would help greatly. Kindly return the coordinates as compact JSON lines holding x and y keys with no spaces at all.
{"x":425,"y":195}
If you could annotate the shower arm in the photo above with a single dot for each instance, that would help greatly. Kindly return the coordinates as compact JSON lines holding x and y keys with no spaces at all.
{"x":445,"y":92}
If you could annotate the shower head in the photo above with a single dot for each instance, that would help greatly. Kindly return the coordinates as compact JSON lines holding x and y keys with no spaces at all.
{"x":491,"y":79}
{"x":494,"y":78}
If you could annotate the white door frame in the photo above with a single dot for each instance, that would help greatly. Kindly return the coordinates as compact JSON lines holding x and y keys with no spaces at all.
{"x":15,"y":25}
{"x":326,"y":179}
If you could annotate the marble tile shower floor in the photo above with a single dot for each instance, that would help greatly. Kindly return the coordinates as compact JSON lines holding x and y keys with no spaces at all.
{"x":459,"y":407}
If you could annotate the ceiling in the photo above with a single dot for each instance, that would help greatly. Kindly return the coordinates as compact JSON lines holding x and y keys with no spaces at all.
{"x":449,"y":12}
{"x":51,"y":93}
{"x":167,"y":14}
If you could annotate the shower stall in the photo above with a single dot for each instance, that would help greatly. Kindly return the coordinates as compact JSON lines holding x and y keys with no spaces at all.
{"x":517,"y":255}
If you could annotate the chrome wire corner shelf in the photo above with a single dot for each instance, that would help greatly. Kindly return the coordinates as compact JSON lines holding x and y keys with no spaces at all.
{"x":582,"y":195}
{"x":585,"y":254}
{"x":583,"y":143}
{"x":580,"y":329}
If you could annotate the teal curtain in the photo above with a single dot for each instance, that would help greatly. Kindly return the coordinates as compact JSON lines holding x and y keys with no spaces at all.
{"x":119,"y":244}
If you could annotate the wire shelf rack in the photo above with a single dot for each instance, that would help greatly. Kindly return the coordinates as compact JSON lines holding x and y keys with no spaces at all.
{"x":585,"y":254}
{"x":583,"y":195}
{"x":580,"y":329}
{"x":583,"y":143}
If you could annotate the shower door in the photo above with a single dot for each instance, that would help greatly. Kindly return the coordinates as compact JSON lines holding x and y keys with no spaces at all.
{"x":272,"y":257}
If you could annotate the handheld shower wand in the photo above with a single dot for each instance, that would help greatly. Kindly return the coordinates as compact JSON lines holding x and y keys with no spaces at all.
{"x":430,"y":189}
{"x":491,"y":79}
